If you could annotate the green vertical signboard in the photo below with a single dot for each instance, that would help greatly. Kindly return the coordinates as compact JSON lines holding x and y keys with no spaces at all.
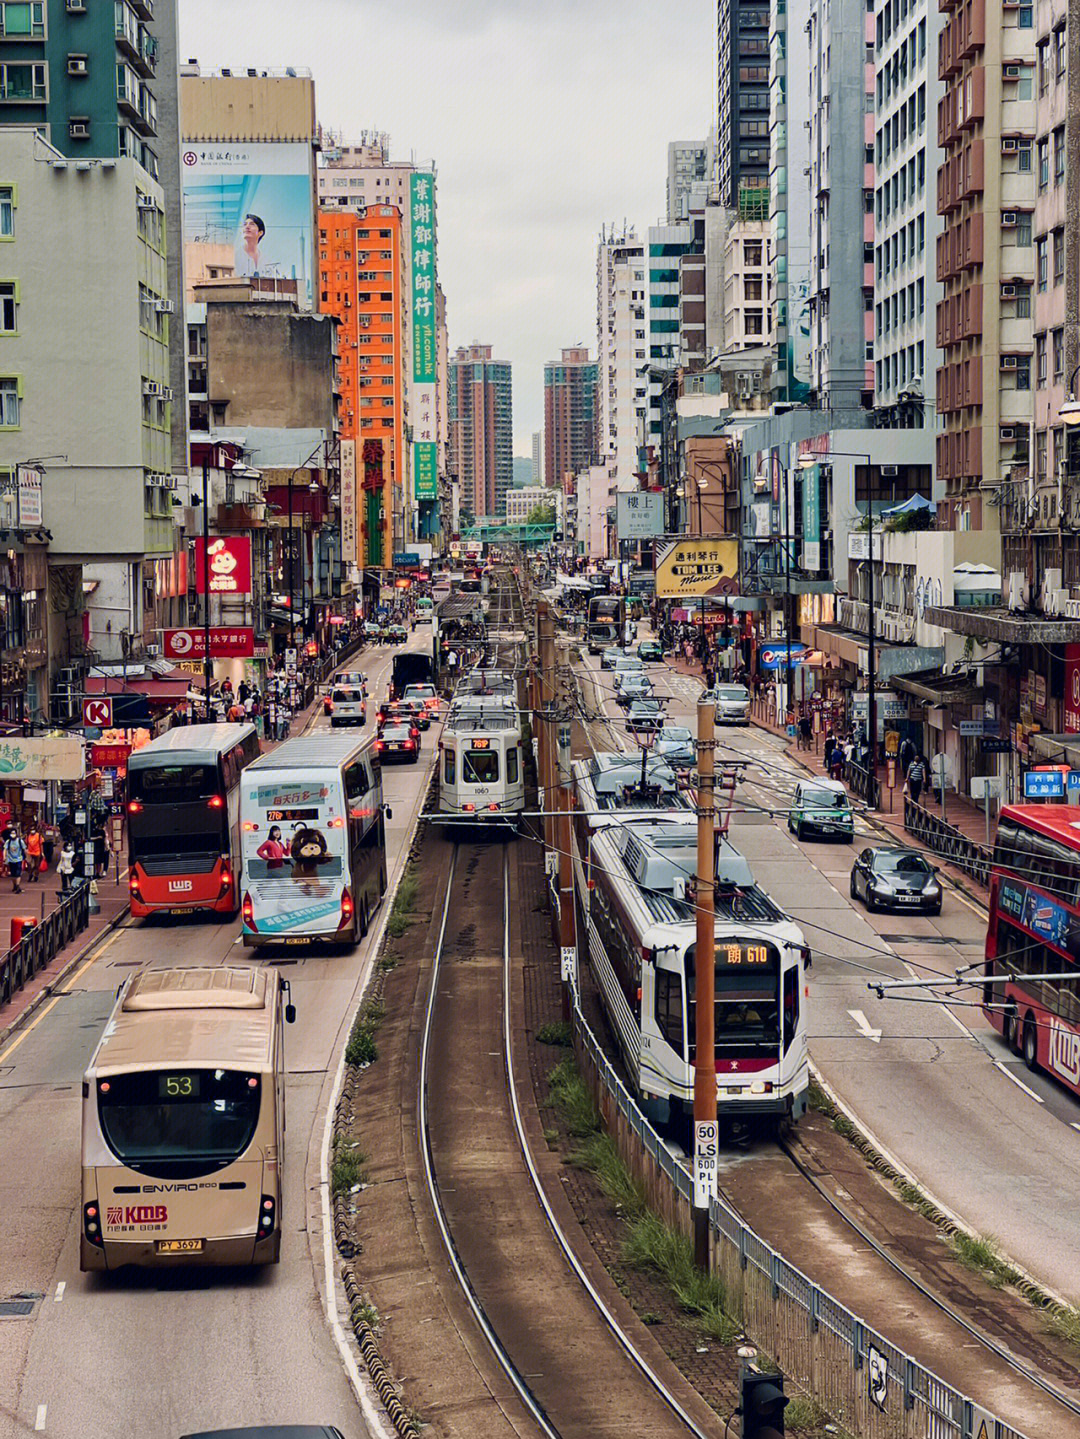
{"x":425,"y":455}
{"x":811,"y":517}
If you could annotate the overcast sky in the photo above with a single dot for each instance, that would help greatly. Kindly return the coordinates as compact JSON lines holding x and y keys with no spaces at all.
{"x":545,"y":118}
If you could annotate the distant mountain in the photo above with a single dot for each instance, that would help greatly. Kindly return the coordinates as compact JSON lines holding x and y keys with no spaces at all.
{"x":523,"y":472}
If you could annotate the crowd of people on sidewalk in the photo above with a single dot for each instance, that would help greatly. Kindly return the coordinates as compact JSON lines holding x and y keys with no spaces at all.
{"x":31,"y":851}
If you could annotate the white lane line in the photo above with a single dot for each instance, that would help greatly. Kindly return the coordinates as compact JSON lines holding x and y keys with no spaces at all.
{"x":1075,"y":1126}
{"x":60,"y":1291}
{"x":39,"y":1422}
{"x":1007,"y":1072}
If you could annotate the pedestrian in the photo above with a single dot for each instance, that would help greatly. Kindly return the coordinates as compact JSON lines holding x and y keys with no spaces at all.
{"x":50,"y":840}
{"x":33,"y":852}
{"x":101,"y":854}
{"x":906,"y":756}
{"x":242,"y":691}
{"x":806,"y":732}
{"x":827,"y":751}
{"x":710,"y":676}
{"x":916,"y":777}
{"x":65,"y":866}
{"x":836,"y":761}
{"x":14,"y":858}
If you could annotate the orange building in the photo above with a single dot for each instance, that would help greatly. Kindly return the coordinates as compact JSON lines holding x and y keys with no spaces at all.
{"x":362,"y":283}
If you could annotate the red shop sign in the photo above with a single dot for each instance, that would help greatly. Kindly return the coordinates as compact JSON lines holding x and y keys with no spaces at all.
{"x":229,"y":565}
{"x":227,"y":642}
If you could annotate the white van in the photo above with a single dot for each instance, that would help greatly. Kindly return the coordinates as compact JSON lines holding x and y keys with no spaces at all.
{"x":347,"y":705}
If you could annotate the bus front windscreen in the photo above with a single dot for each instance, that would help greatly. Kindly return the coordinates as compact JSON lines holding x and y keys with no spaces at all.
{"x":176,"y":811}
{"x":178,"y":1123}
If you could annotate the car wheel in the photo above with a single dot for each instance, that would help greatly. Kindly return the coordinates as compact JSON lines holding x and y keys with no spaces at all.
{"x":798,"y":832}
{"x":1031,"y":1043}
{"x":333,"y":724}
{"x":853,"y":887}
{"x":936,"y":910}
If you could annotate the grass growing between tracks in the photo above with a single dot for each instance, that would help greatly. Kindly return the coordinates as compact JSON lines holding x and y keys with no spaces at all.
{"x":361,"y":1048}
{"x":980,"y":1254}
{"x":347,"y":1168}
{"x":404,"y":904}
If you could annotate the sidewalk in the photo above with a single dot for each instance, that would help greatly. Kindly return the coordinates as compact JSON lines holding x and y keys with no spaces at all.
{"x":961,"y":815}
{"x":37,"y":899}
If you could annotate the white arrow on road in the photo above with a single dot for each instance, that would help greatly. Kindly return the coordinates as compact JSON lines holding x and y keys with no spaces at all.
{"x":862,"y":1024}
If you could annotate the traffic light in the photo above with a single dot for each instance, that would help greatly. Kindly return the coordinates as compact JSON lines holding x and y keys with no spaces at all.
{"x":761,"y":1403}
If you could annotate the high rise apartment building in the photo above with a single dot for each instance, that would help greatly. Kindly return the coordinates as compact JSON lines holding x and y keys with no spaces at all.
{"x":622,"y":350}
{"x":362,"y":283}
{"x":747,"y":274}
{"x":841,"y":183}
{"x":742,"y":87}
{"x":986,"y":259}
{"x":571,"y":418}
{"x":481,"y":429}
{"x":676,"y":306}
{"x":1054,"y":155}
{"x":789,"y":215}
{"x":537,"y":460}
{"x":906,"y":226}
{"x":687,"y":167}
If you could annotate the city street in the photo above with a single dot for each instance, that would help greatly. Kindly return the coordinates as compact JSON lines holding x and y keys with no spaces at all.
{"x":934,"y":1084}
{"x":120,"y":1353}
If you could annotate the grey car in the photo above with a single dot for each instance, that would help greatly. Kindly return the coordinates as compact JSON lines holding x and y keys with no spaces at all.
{"x":610,"y":657}
{"x":898,"y":879}
{"x":645,"y":717}
{"x":633,"y":687}
{"x":676,"y":744}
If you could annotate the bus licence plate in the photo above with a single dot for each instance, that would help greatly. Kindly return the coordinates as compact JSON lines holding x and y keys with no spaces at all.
{"x":179,"y":1246}
{"x":178,"y":910}
{"x":296,"y":941}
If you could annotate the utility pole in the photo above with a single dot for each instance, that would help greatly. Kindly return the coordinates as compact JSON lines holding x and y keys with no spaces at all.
{"x":789,"y":667}
{"x":705,"y":1124}
{"x":547,"y":767}
{"x":208,"y":666}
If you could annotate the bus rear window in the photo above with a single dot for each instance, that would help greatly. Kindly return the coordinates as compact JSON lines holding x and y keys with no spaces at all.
{"x":173,"y":783}
{"x":179,"y":1122}
{"x":480,"y":766}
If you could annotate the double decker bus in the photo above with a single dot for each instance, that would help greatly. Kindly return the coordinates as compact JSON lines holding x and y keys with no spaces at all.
{"x":606,"y":622}
{"x":184,"y":819}
{"x":183,"y":1121}
{"x":1031,"y":991}
{"x":313,"y":833}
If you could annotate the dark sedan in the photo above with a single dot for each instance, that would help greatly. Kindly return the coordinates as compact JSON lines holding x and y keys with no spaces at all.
{"x":398,"y":741}
{"x":896,"y":879}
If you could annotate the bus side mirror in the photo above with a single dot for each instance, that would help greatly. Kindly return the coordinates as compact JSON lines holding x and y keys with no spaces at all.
{"x":290,"y":1014}
{"x":387,"y":811}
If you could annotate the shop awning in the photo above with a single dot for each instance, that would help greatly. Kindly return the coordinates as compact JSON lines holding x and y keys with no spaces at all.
{"x":841,"y":644}
{"x":937,"y":689}
{"x":156,"y":689}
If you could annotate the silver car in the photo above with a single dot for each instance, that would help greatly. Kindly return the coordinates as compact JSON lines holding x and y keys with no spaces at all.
{"x":676,"y":744}
{"x":732,"y":704}
{"x":633,"y":687}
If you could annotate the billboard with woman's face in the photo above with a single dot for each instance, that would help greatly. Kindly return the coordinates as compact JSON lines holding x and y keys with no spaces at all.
{"x":255,"y":200}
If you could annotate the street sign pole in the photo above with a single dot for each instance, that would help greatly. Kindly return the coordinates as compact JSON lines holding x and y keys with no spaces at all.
{"x":705,"y":978}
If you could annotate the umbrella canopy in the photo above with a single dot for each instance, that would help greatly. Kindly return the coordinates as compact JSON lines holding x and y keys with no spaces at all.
{"x":909,"y":506}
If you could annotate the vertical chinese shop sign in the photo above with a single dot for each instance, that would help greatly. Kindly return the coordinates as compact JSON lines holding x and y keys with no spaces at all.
{"x":422,"y":249}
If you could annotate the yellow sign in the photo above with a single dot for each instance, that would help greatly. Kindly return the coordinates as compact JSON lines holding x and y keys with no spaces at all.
{"x":688,"y":569}
{"x":190,"y":667}
{"x":892,"y":741}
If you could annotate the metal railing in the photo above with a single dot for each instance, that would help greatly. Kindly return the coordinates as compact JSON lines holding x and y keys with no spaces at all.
{"x":44,"y":942}
{"x":862,"y":783}
{"x":867,"y":1383}
{"x":944,"y":839}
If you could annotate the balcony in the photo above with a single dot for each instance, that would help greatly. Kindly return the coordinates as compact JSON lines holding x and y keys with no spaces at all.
{"x":143,"y":8}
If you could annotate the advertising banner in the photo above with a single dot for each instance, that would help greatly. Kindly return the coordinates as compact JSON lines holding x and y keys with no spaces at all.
{"x":250,"y":204}
{"x":639,"y":515}
{"x":691,"y":568}
{"x":424,"y":347}
{"x":226,"y":643}
{"x":229,"y":565}
{"x":41,"y":759}
{"x":1072,"y":688}
{"x":811,"y":509}
{"x":30,"y":505}
{"x":349,"y":551}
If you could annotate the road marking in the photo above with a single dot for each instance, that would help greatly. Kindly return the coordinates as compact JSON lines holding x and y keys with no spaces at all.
{"x":60,"y":1291}
{"x":1007,"y":1072}
{"x":39,"y":1422}
{"x":1075,"y":1126}
{"x":862,"y":1024}
{"x":68,"y":987}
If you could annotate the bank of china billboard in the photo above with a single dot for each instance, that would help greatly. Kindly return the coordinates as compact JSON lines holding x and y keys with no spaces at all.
{"x":249,"y":206}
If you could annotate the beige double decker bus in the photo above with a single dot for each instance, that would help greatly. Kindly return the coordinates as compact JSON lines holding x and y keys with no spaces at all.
{"x":183,"y":1121}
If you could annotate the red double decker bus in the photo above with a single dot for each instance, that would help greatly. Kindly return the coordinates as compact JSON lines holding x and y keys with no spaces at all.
{"x":1031,"y":993}
{"x":184,"y":819}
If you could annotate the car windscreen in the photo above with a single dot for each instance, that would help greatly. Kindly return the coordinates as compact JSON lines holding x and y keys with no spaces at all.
{"x":676,"y":736}
{"x":889,"y":862}
{"x":732,"y":692}
{"x":179,"y":1122}
{"x":824,"y":799}
{"x":396,"y":732}
{"x":351,"y":697}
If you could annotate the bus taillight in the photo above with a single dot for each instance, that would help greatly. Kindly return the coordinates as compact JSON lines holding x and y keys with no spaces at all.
{"x":226,"y":877}
{"x":133,"y":886}
{"x":267,"y":1215}
{"x":216,"y":801}
{"x":92,"y":1225}
{"x":347,"y":910}
{"x":135,"y":806}
{"x":248,"y":911}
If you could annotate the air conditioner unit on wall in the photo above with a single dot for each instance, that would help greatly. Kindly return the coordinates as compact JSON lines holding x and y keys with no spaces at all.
{"x":146,"y":202}
{"x":153,"y":652}
{"x":165,"y":307}
{"x":78,"y":129}
{"x":1008,"y":218}
{"x":151,"y":387}
{"x":1008,"y":144}
{"x":1008,"y":292}
{"x":1072,"y":609}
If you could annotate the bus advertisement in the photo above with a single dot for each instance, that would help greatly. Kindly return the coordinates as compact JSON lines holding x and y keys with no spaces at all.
{"x":183,"y":1121}
{"x":1031,"y":992}
{"x":313,"y":838}
{"x":184,"y":819}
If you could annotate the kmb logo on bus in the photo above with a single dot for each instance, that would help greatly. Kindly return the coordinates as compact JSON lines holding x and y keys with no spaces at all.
{"x":1064,"y":1053}
{"x":136,"y":1214}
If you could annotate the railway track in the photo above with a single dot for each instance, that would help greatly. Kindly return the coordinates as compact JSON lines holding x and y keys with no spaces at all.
{"x":1043,"y":1388}
{"x":550,"y":1330}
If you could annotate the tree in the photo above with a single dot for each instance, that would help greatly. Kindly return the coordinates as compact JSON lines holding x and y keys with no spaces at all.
{"x":541,"y":515}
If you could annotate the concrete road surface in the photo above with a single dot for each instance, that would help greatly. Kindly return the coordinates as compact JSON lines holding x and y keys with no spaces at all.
{"x":161,"y":1353}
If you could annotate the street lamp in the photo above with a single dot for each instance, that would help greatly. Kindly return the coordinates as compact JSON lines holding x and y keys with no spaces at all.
{"x":1069,"y":412}
{"x":805,"y":462}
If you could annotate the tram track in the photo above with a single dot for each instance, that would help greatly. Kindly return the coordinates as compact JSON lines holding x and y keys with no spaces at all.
{"x":546,"y":1322}
{"x":903,"y":1243}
